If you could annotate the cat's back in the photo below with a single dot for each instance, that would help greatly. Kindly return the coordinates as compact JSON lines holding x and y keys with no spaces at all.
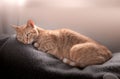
{"x":65,"y":36}
{"x":73,"y":36}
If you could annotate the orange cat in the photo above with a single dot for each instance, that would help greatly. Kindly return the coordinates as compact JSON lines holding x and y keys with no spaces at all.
{"x":71,"y":47}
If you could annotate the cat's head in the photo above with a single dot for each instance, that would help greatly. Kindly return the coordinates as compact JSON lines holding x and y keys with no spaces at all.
{"x":26,"y":33}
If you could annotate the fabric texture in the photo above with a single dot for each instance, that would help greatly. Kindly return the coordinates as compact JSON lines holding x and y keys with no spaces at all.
{"x":19,"y":61}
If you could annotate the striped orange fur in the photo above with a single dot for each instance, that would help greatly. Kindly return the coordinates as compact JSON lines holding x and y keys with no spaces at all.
{"x":69,"y":46}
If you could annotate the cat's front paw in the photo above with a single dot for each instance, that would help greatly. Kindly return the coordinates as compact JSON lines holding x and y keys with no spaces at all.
{"x":36,"y":45}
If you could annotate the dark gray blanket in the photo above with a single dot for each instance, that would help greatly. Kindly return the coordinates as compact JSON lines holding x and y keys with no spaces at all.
{"x":19,"y":61}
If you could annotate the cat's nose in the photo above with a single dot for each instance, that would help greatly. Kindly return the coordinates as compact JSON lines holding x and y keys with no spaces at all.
{"x":25,"y":41}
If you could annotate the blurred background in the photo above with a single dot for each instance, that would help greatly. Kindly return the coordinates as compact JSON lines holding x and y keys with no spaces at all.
{"x":97,"y":19}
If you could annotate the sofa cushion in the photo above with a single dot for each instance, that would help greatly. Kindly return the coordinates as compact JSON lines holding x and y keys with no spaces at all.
{"x":19,"y":61}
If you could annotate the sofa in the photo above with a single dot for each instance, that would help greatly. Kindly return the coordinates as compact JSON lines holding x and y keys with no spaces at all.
{"x":19,"y":61}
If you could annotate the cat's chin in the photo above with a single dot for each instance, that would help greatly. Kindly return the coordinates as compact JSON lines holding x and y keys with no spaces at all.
{"x":28,"y":42}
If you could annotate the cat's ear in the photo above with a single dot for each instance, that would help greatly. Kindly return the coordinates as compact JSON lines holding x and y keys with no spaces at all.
{"x":30,"y":24}
{"x":15,"y":27}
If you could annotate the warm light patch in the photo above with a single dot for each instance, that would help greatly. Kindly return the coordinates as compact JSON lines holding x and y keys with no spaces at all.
{"x":69,"y":3}
{"x":15,"y":2}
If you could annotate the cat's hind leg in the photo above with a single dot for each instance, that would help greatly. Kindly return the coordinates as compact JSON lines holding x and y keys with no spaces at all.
{"x":69,"y":62}
{"x":89,"y":54}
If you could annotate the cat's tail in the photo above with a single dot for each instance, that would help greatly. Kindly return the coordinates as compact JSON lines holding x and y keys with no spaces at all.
{"x":107,"y":53}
